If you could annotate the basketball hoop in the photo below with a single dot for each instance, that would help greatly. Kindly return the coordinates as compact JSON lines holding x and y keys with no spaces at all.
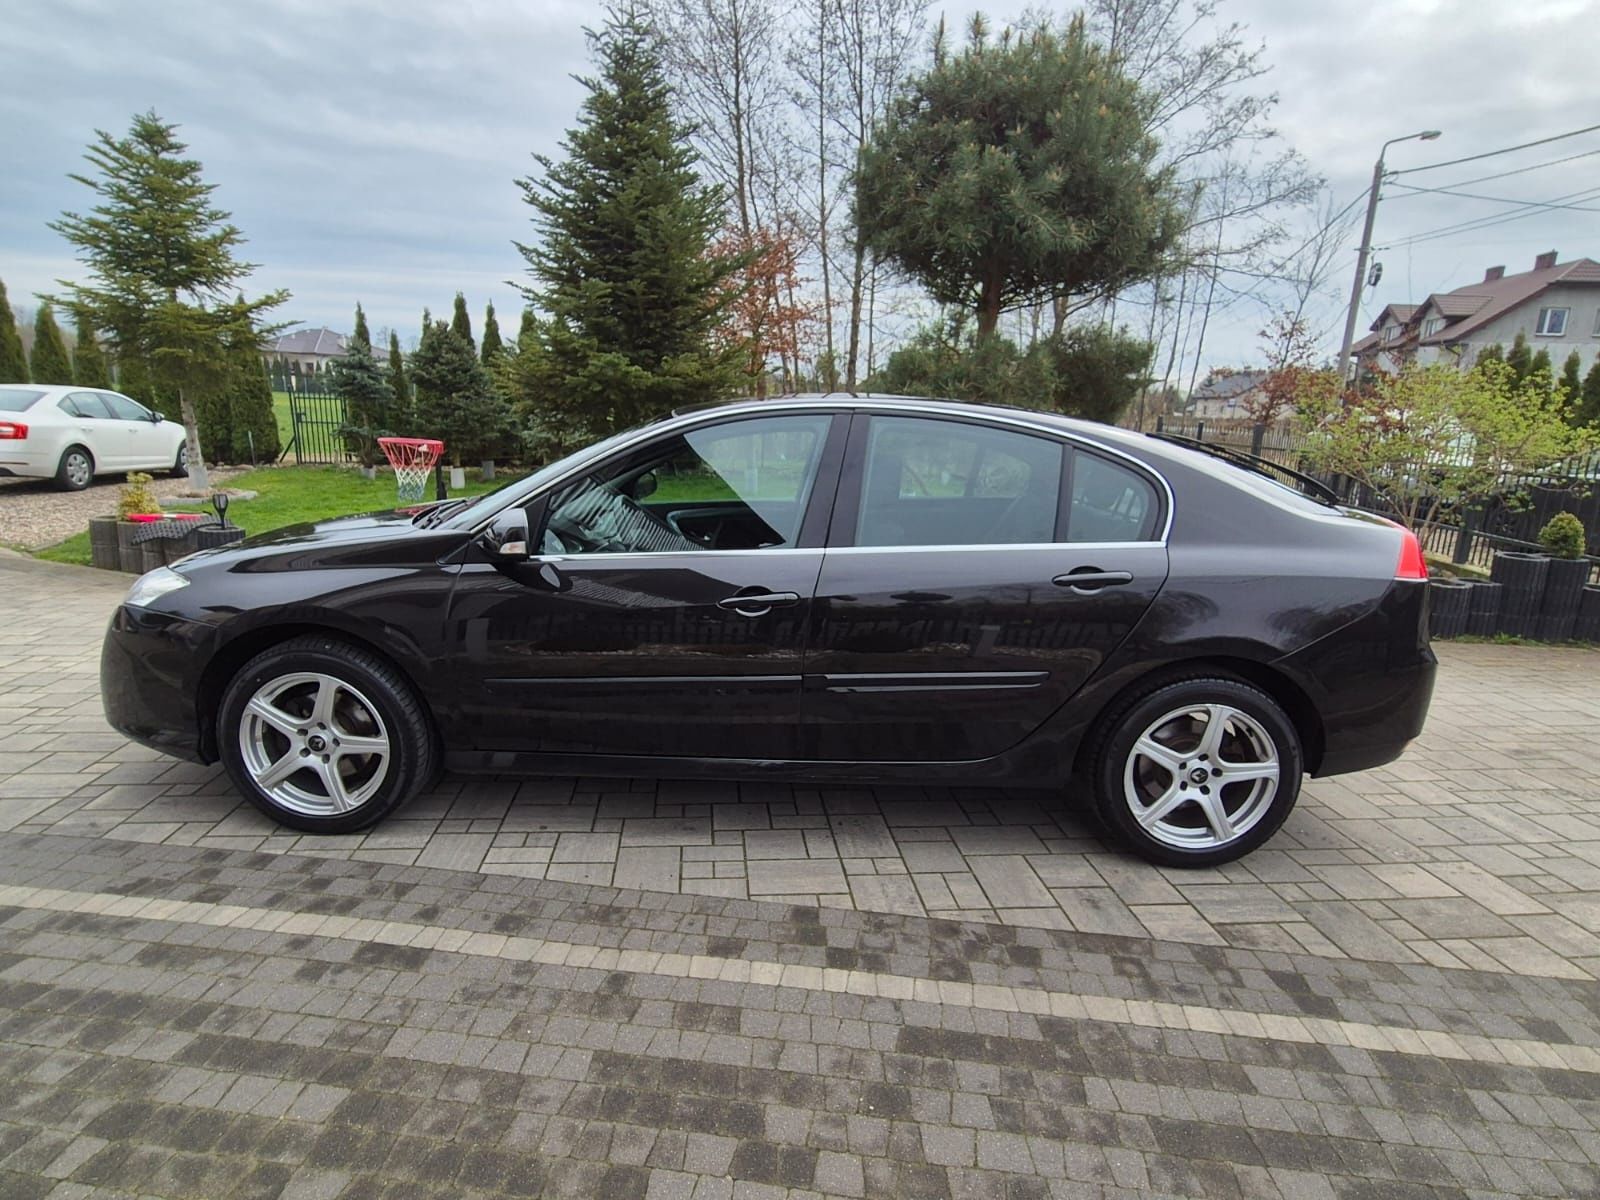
{"x":412,"y":460}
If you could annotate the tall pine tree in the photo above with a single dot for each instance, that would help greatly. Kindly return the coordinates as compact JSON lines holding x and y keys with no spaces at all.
{"x":13,"y":362}
{"x":1572,"y":379}
{"x":49,"y":362}
{"x":161,"y":266}
{"x":400,"y":386}
{"x":1588,"y":408}
{"x":358,"y":380}
{"x":89,"y":365}
{"x":1520,"y":358}
{"x":461,"y":323}
{"x":492,"y":346}
{"x":456,"y":400}
{"x":623,"y":266}
{"x":362,"y":334}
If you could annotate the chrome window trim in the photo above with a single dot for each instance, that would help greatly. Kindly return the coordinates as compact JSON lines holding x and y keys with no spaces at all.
{"x":864,"y":404}
{"x":1080,"y":547}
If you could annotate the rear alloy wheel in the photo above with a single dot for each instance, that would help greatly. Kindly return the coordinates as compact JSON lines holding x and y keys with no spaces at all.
{"x":324,"y":737}
{"x":76,"y":469}
{"x":1198,"y":772}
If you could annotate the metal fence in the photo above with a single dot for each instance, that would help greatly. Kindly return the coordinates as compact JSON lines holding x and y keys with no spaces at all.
{"x":316,"y":419}
{"x":1509,"y":520}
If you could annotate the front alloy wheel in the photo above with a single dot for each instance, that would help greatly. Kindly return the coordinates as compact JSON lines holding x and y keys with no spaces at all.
{"x":324,"y":736}
{"x":1198,"y":772}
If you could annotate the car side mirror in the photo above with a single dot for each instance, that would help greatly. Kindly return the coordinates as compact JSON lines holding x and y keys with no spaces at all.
{"x":156,"y":418}
{"x":510,"y":543}
{"x":645,"y":486}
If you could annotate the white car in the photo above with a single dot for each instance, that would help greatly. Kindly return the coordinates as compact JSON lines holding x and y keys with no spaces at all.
{"x":72,"y":434}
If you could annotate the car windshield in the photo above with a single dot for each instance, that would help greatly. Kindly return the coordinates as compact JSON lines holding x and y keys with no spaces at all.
{"x":13,"y":399}
{"x":484,"y":506}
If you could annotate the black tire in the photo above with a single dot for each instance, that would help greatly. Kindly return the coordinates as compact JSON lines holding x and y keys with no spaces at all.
{"x":180,"y":465}
{"x":372,"y":689}
{"x":75,"y":471}
{"x":1192,"y":838}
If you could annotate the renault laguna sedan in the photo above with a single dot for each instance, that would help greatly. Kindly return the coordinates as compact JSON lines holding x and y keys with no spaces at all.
{"x":862,"y":589}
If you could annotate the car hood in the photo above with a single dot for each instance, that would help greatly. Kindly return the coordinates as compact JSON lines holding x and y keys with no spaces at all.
{"x":387,"y":538}
{"x":362,"y":526}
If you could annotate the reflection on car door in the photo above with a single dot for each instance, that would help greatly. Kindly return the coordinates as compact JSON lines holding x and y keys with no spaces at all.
{"x":666,"y":610}
{"x":976,"y":577}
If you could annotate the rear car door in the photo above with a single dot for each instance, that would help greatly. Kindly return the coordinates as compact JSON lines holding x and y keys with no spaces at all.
{"x":977,"y":574}
{"x":94,"y":425}
{"x":665,"y":608}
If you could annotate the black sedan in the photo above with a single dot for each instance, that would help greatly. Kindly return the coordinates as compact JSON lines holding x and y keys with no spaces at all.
{"x":823,"y":588}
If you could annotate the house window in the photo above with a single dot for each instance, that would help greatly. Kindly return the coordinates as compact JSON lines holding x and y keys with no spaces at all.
{"x":1391,"y":332}
{"x":1553,"y":322}
{"x":1432,"y":325}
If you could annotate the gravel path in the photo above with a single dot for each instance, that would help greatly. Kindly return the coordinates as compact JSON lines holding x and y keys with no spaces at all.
{"x":34,"y":513}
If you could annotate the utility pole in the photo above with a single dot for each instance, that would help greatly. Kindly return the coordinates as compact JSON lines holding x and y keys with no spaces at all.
{"x":1426,"y":135}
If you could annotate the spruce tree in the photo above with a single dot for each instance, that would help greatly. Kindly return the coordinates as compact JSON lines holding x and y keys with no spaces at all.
{"x":1491,"y":353}
{"x":492,"y":346}
{"x":624,"y":266}
{"x":1572,"y":379}
{"x":359,"y":382}
{"x":1520,"y":358}
{"x":1588,"y":410}
{"x":49,"y":362}
{"x":161,"y":268}
{"x":400,"y":386}
{"x":461,"y":323}
{"x":1540,"y":365}
{"x":89,"y":366}
{"x":13,"y":362}
{"x":455,"y":399}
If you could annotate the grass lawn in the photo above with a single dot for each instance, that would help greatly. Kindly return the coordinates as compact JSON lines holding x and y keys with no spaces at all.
{"x":290,"y":496}
{"x":280,"y":410}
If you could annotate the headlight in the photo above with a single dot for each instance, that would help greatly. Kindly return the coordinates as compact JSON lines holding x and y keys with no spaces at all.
{"x":153,"y":585}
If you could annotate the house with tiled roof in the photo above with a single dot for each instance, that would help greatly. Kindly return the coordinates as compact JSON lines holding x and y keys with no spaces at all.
{"x":1224,"y":394}
{"x":311,"y":349}
{"x":1556,"y":306}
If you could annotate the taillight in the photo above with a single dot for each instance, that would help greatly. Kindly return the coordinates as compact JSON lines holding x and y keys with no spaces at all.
{"x":1411,"y":565}
{"x":12,"y":431}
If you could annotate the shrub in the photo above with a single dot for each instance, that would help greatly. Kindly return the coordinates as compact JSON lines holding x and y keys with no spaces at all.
{"x":1564,"y":536}
{"x":136,"y":496}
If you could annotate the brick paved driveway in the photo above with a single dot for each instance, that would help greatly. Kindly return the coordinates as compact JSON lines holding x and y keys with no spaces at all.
{"x":1397,"y":998}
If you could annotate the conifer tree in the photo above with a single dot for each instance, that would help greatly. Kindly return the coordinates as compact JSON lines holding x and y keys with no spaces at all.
{"x":89,"y":365}
{"x":400,"y":386}
{"x":1588,"y":408}
{"x":492,"y":346}
{"x":361,"y":333}
{"x":1540,"y":365}
{"x":1520,"y":358}
{"x":358,"y":380}
{"x":624,"y":266}
{"x":255,"y":424}
{"x":13,"y":362}
{"x":1492,"y":353}
{"x":461,"y":323}
{"x":161,"y":266}
{"x":1572,"y":379}
{"x":455,"y":398}
{"x":49,"y":362}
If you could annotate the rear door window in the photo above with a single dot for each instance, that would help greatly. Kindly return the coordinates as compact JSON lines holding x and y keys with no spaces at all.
{"x":1110,"y":502}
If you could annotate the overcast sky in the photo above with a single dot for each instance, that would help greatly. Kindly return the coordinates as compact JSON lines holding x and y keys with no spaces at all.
{"x":368,"y":149}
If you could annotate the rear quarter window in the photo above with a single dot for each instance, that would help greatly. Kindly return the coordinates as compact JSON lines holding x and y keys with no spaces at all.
{"x":14,"y":399}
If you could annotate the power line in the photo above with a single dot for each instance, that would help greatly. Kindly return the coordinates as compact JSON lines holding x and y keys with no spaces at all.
{"x":1522,"y":211}
{"x":1419,"y":191}
{"x":1554,"y":162}
{"x":1492,"y":153}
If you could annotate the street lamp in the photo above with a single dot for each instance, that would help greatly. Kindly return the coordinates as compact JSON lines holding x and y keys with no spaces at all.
{"x":1427,"y":135}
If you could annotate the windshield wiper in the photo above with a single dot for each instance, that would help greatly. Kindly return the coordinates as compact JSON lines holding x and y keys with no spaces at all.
{"x":429,"y":517}
{"x":1310,"y":487}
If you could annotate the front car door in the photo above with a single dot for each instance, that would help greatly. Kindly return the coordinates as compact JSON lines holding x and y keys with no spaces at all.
{"x":136,"y":428}
{"x":977,"y":574}
{"x":664,"y":610}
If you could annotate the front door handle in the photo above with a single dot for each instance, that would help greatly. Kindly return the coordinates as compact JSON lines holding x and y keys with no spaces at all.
{"x":1088,"y":580}
{"x":752,"y":602}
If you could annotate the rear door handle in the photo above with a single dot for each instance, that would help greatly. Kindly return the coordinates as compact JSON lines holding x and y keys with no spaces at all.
{"x":1087,"y":580}
{"x":754,"y":603}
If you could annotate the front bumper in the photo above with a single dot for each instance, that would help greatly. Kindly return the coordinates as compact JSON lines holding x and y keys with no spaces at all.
{"x":149,"y":677}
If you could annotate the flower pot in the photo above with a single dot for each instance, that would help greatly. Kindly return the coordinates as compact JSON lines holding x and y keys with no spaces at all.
{"x":209,"y":536}
{"x":1587,"y":628}
{"x":103,"y":543}
{"x":128,"y":555}
{"x":1483,"y":609}
{"x":1448,"y":601}
{"x":486,"y":469}
{"x":1521,"y":577}
{"x":1563,"y":591}
{"x":152,"y":554}
{"x":458,"y":478}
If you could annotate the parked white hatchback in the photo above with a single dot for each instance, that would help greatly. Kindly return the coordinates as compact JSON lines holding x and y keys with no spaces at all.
{"x":72,"y":434}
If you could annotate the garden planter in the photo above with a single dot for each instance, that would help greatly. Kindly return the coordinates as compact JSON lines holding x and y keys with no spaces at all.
{"x":152,"y":554}
{"x":1588,"y":627}
{"x":1448,"y":601}
{"x":1563,"y":591}
{"x":103,"y":543}
{"x":128,"y":555}
{"x":458,"y":478}
{"x":1483,"y":609}
{"x":486,"y":469}
{"x":1521,"y":577}
{"x":209,"y":536}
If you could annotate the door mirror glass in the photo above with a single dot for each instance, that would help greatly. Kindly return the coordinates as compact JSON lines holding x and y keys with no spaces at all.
{"x":507,"y":541}
{"x":645,"y":486}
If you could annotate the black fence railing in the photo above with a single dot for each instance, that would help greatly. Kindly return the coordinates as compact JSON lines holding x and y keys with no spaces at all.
{"x":316,"y":419}
{"x":1509,"y":520}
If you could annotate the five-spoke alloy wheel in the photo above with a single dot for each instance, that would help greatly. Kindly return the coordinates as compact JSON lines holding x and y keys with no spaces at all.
{"x":1198,"y":772}
{"x":323,"y":736}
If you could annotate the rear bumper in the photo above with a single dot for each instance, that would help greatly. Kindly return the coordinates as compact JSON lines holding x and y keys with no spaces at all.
{"x":148,"y":680}
{"x":1372,"y":681}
